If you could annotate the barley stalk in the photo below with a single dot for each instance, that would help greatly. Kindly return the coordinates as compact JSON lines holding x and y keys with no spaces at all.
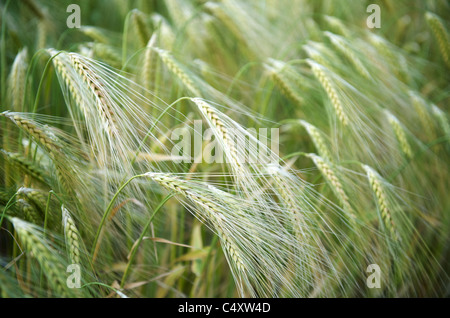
{"x":48,"y":141}
{"x":423,"y":112}
{"x":212,"y":210}
{"x":108,"y":54}
{"x":16,"y":81}
{"x":36,"y":132}
{"x":337,"y":25}
{"x":16,"y":209}
{"x":165,"y":32}
{"x":210,"y":113}
{"x":376,"y":183}
{"x":72,"y":236}
{"x":330,"y":90}
{"x":30,"y":213}
{"x":395,"y":61}
{"x":318,"y":139}
{"x":25,"y":165}
{"x":441,"y":35}
{"x":445,"y":126}
{"x":36,"y":197}
{"x":4,"y":197}
{"x":176,"y":12}
{"x":400,"y":134}
{"x":218,"y":11}
{"x":150,"y":63}
{"x":41,"y":41}
{"x":316,"y":55}
{"x":289,"y":200}
{"x":336,"y":185}
{"x":41,"y":250}
{"x":61,"y":67}
{"x":305,"y":244}
{"x":137,"y":19}
{"x":96,"y":86}
{"x":37,"y":11}
{"x":178,"y":71}
{"x":94,"y":33}
{"x":345,"y":49}
{"x":276,"y":71}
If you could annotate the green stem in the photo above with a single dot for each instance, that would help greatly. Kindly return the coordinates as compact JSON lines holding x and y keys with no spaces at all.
{"x":8,"y":205}
{"x":30,"y":69}
{"x":3,"y":88}
{"x":267,"y":96}
{"x":44,"y":73}
{"x":3,"y":53}
{"x":125,"y":64}
{"x":243,"y":69}
{"x":102,"y":284}
{"x":141,"y":237}
{"x":46,"y":208}
{"x":298,"y":153}
{"x":108,"y":210}
{"x":153,"y":127}
{"x":45,"y":229}
{"x":125,"y":39}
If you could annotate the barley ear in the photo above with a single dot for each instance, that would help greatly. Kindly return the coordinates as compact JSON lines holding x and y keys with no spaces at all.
{"x":423,"y":113}
{"x":30,"y":213}
{"x":377,"y":185}
{"x":318,"y":139}
{"x":150,"y":63}
{"x":337,"y":25}
{"x":441,"y":35}
{"x":42,"y":250}
{"x":276,"y":69}
{"x":16,"y":80}
{"x":25,"y":165}
{"x":72,"y":236}
{"x":347,"y":51}
{"x":212,"y":211}
{"x":400,"y":134}
{"x":326,"y":168}
{"x":36,"y":132}
{"x":137,"y":18}
{"x":442,"y":117}
{"x":209,"y":112}
{"x":174,"y":66}
{"x":95,"y":84}
{"x":326,"y":83}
